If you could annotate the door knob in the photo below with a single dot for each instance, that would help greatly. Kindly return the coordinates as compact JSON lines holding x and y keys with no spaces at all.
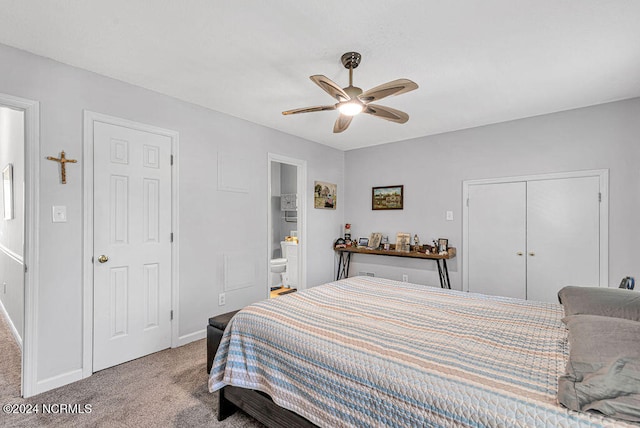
{"x":103,"y":259}
{"x":519,"y":253}
{"x":532,"y":253}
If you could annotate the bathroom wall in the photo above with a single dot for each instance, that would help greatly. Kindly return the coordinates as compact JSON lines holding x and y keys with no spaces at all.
{"x":288,"y":184}
{"x":275,"y":210}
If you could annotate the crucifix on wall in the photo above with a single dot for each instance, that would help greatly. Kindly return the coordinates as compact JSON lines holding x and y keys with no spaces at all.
{"x":63,"y":161}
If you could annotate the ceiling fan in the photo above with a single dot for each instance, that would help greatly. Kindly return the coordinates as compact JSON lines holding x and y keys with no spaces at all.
{"x":352,"y":100}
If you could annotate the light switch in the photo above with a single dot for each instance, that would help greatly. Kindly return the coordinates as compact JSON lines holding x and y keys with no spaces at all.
{"x":59,"y":214}
{"x":449,"y":215}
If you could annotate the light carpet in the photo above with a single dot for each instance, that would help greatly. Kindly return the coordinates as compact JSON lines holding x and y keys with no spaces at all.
{"x":165,"y":389}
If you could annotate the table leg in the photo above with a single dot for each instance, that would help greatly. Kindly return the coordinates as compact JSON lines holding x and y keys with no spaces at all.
{"x":440,"y":273}
{"x":446,"y":272}
{"x":343,"y":265}
{"x":346,"y":271}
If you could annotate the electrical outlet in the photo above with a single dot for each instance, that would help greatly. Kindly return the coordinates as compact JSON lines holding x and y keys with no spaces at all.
{"x":405,"y":278}
{"x":222,"y":299}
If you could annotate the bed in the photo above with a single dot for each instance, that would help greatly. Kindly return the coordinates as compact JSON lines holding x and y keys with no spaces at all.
{"x":368,"y":351}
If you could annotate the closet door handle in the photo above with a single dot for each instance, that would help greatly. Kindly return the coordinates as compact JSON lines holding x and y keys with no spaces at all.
{"x":532,"y":253}
{"x":519,"y":253}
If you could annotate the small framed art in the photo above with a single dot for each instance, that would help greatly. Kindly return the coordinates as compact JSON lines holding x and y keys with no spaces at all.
{"x":324,"y":195}
{"x":387,"y":198}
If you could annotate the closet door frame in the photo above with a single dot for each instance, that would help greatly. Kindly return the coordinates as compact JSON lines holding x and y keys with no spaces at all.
{"x":602,"y":174}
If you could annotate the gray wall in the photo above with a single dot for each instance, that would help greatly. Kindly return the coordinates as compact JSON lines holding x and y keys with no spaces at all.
{"x":211,"y":222}
{"x":433,"y":168}
{"x":11,"y":231}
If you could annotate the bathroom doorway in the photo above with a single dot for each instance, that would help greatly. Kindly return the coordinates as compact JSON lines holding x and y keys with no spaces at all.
{"x":286,"y":225}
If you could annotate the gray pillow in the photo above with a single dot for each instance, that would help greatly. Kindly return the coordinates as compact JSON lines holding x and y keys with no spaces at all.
{"x":609,"y":302}
{"x":603,"y":371}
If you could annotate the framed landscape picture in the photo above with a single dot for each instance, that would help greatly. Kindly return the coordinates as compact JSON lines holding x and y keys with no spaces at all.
{"x":387,"y":198}
{"x":324,"y":195}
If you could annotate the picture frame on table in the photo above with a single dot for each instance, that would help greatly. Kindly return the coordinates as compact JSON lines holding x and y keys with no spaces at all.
{"x":363,"y":242}
{"x":375,"y":240}
{"x":403,"y":242}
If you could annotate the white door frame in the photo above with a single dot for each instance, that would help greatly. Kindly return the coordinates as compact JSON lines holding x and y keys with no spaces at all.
{"x":87,"y":251}
{"x":301,"y":184}
{"x":31,"y":110}
{"x":602,"y":174}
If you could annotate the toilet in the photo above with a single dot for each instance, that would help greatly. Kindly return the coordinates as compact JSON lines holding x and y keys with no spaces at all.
{"x":278,"y":267}
{"x":284,"y":270}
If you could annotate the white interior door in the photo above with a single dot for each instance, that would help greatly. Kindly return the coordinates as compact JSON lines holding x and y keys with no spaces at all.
{"x":563,"y":229}
{"x":497,"y":239}
{"x":132,"y":227}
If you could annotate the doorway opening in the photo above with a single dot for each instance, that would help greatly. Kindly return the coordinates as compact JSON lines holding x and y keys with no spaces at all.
{"x":19,"y":158}
{"x":286,"y":225}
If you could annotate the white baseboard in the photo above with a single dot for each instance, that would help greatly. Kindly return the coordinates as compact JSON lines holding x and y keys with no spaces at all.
{"x":13,"y":328}
{"x":192,"y":337}
{"x":58,"y":381}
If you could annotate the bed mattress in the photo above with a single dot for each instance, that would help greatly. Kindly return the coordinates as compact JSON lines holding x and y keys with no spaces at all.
{"x":374,"y":352}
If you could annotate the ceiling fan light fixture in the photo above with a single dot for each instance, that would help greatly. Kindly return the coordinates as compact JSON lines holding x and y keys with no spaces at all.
{"x":350,"y":108}
{"x":353,"y":101}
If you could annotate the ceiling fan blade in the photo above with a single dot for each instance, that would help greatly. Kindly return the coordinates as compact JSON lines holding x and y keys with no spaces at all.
{"x":308,"y":109}
{"x":395,"y":87}
{"x":330,"y":87}
{"x":342,"y":123}
{"x":387,"y":113}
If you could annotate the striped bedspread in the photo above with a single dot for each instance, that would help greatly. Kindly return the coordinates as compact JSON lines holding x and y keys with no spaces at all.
{"x":373,"y":352}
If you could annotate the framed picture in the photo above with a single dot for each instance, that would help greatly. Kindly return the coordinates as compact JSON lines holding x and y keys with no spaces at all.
{"x":374,"y":240}
{"x":403,"y":242}
{"x":7,"y":191}
{"x":443,"y":245}
{"x":324,"y":195}
{"x":387,"y":198}
{"x":363,"y":242}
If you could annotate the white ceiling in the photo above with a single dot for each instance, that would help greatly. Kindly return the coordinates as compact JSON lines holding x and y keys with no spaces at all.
{"x":476,"y":62}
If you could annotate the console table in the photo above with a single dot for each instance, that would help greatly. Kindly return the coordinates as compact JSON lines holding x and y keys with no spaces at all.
{"x":345,"y":260}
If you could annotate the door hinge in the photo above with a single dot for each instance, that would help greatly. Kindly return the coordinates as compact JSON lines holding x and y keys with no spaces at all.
{"x":599,"y":197}
{"x":25,"y":269}
{"x":467,"y":201}
{"x":171,"y":237}
{"x":171,"y":159}
{"x":171,"y":314}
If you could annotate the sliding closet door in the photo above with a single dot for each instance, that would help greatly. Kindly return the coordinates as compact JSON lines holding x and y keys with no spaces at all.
{"x":497,"y":239}
{"x":563,"y":218}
